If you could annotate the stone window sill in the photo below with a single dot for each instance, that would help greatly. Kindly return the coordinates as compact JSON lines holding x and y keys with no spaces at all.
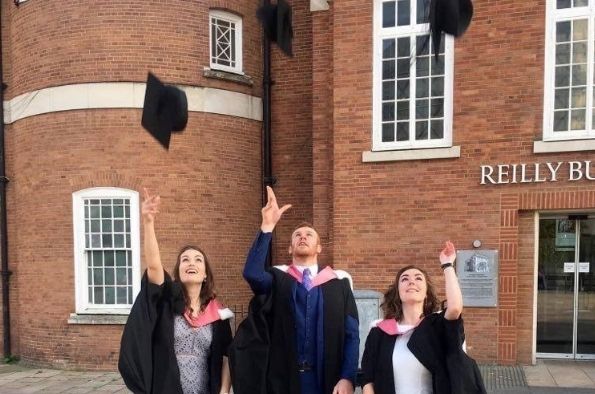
{"x":96,"y":319}
{"x":412,"y":154}
{"x":563,"y":146}
{"x":227,"y":76}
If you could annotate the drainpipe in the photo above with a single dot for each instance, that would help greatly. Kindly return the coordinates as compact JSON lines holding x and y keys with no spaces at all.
{"x":3,"y":232}
{"x":267,"y":172}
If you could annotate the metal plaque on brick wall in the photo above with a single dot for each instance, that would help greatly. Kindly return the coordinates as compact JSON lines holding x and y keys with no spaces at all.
{"x":478,"y":277}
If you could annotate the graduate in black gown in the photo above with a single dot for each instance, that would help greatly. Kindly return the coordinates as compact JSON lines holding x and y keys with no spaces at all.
{"x":301,"y":336}
{"x":177,"y":334}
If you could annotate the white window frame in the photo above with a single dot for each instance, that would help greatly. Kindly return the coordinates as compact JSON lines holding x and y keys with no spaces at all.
{"x":231,"y":18}
{"x":381,"y":33}
{"x":80,"y":270}
{"x":553,"y":16}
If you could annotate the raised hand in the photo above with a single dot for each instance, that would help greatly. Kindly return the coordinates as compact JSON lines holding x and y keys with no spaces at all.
{"x":271,"y":213}
{"x":150,"y":205}
{"x":448,"y":254}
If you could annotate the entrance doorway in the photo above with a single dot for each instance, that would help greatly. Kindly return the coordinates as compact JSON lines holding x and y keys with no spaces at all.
{"x":566,"y":287}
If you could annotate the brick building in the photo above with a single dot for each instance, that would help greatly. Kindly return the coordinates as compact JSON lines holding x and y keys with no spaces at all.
{"x":386,"y":150}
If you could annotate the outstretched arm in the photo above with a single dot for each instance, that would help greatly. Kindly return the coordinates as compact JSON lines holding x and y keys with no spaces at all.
{"x":454,"y":297}
{"x":258,"y":278}
{"x":149,"y":210}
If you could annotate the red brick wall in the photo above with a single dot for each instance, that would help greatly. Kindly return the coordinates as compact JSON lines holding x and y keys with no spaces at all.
{"x":292,"y":128}
{"x":389,"y":214}
{"x":56,"y":43}
{"x":51,"y":156}
{"x":216,"y":158}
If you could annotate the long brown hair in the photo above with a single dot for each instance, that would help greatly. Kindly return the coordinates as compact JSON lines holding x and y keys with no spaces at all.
{"x":207,"y":291}
{"x":392,"y":306}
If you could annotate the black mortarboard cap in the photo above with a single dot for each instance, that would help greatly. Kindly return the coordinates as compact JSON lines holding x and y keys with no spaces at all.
{"x":276,"y":21}
{"x":165,"y":110}
{"x":449,"y":16}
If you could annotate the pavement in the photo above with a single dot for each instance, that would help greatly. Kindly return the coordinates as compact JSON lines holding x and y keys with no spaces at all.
{"x":546,"y":377}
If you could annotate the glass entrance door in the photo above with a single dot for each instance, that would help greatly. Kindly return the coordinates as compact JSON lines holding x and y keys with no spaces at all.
{"x":566,"y":288}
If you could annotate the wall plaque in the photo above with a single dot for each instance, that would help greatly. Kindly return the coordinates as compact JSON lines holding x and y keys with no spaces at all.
{"x":478,"y":277}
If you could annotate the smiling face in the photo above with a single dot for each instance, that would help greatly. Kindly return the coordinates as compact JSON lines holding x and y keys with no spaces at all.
{"x":192,"y":267}
{"x":413,"y":286}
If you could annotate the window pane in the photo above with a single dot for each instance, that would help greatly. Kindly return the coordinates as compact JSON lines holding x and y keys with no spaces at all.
{"x":579,"y":29}
{"x":121,"y":276}
{"x":561,"y":4}
{"x":423,"y":11}
{"x":562,"y":76}
{"x":98,"y":276}
{"x":421,"y":109}
{"x":421,"y":130}
{"x":436,"y":129}
{"x":121,"y":297}
{"x":95,"y":241}
{"x":388,"y":69}
{"x":437,"y":110}
{"x":579,"y":75}
{"x":106,"y":226}
{"x":404,"y":47}
{"x":109,"y":276}
{"x":422,"y":66}
{"x":422,"y":88}
{"x":119,"y":241}
{"x":86,"y":209}
{"x":403,"y":66}
{"x":118,"y":211}
{"x":578,"y":119}
{"x":120,"y":258}
{"x":422,"y":44}
{"x":581,"y":3}
{"x":579,"y":52}
{"x":579,"y":98}
{"x":563,"y":31}
{"x":388,"y":90}
{"x":403,"y":110}
{"x":109,"y":258}
{"x":438,"y":86}
{"x":388,"y":14}
{"x":560,"y":120}
{"x":119,"y":226}
{"x":98,"y":295}
{"x":403,"y":12}
{"x":403,"y":131}
{"x":106,"y":211}
{"x":562,"y":53}
{"x":94,"y":211}
{"x":127,"y":211}
{"x":388,"y":132}
{"x":438,"y":65}
{"x":561,"y":100}
{"x":388,"y":112}
{"x":388,"y":49}
{"x":403,"y":89}
{"x":110,"y":295}
{"x":107,"y":240}
{"x":97,"y":259}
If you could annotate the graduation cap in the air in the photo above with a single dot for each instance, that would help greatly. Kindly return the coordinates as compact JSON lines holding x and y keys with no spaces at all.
{"x":449,"y":16}
{"x":276,"y":21}
{"x":165,"y":110}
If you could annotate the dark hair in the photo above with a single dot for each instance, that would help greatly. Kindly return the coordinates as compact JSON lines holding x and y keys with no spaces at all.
{"x":392,"y":307}
{"x":207,"y":291}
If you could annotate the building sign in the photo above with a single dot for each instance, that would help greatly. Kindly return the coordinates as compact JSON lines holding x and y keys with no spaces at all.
{"x":502,"y":174}
{"x":478,"y":277}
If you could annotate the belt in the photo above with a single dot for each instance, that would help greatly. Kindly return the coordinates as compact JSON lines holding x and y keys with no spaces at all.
{"x":304,"y":367}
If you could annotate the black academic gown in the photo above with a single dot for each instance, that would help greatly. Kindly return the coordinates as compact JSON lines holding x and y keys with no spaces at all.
{"x":263,"y":353}
{"x":437,"y":344}
{"x":147,"y":361}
